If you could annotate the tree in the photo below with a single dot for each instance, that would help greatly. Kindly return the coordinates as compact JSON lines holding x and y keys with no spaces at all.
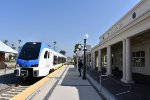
{"x":63,"y":52}
{"x":19,"y":43}
{"x":5,"y":42}
{"x":77,"y":46}
{"x":13,"y":47}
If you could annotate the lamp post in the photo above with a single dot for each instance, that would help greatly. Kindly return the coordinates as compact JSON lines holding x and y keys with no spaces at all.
{"x":84,"y":64}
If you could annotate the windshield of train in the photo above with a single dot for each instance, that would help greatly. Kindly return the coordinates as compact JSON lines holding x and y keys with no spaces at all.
{"x":30,"y":51}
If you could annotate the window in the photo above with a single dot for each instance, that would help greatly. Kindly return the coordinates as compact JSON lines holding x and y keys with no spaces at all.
{"x":59,"y":60}
{"x":46,"y":54}
{"x":30,"y":51}
{"x":133,"y":15}
{"x":55,"y":60}
{"x":138,"y":59}
{"x":120,"y":58}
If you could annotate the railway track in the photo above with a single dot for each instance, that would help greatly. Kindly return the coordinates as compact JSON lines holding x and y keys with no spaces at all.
{"x":13,"y":90}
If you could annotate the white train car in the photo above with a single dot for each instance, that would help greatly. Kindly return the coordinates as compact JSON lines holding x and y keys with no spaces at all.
{"x":36,"y":59}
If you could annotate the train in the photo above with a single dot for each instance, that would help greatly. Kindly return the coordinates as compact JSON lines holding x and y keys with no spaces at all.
{"x":36,"y":59}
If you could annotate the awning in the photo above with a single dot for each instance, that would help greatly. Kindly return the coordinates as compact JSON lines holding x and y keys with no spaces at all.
{"x":5,"y":48}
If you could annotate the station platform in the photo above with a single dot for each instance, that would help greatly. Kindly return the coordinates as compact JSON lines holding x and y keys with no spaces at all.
{"x":139,"y":90}
{"x":65,"y":84}
{"x":7,"y":71}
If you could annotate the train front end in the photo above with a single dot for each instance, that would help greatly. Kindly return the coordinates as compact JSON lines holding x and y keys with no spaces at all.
{"x":28,"y":60}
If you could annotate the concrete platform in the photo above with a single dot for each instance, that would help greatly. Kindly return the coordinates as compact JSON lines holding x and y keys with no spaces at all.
{"x":65,"y":85}
{"x":72,"y":87}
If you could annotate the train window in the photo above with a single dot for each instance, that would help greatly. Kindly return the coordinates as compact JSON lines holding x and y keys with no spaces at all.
{"x":59,"y":60}
{"x":30,"y":51}
{"x":45,"y":55}
{"x":55,"y":61}
{"x":63,"y":60}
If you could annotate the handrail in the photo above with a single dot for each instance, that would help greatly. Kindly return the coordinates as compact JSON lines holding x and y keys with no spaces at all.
{"x":101,"y":81}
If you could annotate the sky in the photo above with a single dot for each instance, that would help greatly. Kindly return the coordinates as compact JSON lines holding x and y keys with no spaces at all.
{"x":63,"y":21}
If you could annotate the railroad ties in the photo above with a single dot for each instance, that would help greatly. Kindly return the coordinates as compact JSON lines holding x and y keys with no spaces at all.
{"x":11,"y":92}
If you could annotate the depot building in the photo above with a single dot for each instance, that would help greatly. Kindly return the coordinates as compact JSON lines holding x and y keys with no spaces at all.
{"x":125,"y":46}
{"x":3,"y":50}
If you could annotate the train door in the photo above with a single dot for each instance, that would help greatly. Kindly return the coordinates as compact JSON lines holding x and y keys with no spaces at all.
{"x":50,"y":59}
{"x":46,"y":60}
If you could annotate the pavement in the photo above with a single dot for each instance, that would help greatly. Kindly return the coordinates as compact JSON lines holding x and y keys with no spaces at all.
{"x":140,"y":90}
{"x":66,"y":85}
{"x":7,"y":71}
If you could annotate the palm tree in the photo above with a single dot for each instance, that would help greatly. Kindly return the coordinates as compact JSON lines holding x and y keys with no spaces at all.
{"x":19,"y":43}
{"x":6,"y":42}
{"x":13,"y":47}
{"x":77,"y":46}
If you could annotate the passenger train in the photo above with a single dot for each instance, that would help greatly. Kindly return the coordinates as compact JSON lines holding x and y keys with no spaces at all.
{"x":36,"y":59}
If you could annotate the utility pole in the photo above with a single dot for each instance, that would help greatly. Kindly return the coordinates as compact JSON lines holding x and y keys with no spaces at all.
{"x":54,"y":44}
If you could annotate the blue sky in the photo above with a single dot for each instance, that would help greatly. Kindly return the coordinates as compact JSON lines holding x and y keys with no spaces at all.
{"x":64,"y":21}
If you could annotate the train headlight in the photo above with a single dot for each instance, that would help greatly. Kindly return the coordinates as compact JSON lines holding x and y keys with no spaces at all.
{"x":36,"y":73}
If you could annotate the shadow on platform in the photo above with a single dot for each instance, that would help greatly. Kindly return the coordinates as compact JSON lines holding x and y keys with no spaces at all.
{"x":84,"y":88}
{"x":140,"y":90}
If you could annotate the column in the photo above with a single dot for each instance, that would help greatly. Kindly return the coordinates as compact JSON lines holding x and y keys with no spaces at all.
{"x":91,"y":60}
{"x":128,"y":62}
{"x":87,"y":60}
{"x":94,"y":60}
{"x":109,"y":61}
{"x":124,"y":61}
{"x":99,"y":60}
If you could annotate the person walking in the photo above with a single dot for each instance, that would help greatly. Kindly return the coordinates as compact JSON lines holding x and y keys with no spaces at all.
{"x":79,"y":67}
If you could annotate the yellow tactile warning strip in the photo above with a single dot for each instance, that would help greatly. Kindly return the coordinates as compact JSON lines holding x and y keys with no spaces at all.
{"x":27,"y":92}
